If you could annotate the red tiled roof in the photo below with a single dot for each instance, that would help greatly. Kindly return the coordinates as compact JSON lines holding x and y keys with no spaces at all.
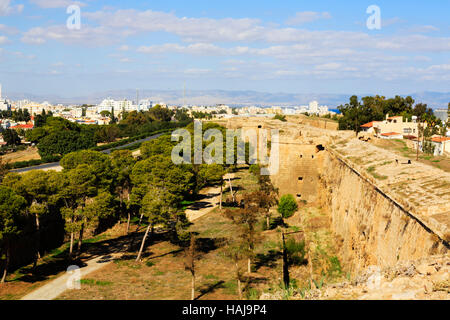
{"x":440,"y":139}
{"x":369,"y":125}
{"x":390,"y":134}
{"x":23,"y":126}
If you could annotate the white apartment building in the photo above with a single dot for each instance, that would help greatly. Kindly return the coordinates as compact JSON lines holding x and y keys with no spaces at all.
{"x":121,"y":105}
{"x":4,"y":105}
{"x":314,"y":107}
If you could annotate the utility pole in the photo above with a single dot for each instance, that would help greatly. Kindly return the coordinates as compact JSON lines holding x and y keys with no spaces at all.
{"x":137,"y":98}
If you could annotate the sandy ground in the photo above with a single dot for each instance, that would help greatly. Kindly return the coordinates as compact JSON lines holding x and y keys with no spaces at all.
{"x":53,"y":289}
{"x":210,"y":200}
{"x":24,"y":155}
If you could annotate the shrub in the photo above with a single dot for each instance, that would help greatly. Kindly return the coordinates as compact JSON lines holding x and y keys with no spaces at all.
{"x":287,"y":206}
{"x":280,"y":117}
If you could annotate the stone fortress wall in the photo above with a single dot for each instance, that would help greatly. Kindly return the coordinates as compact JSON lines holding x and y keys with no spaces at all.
{"x":373,"y":226}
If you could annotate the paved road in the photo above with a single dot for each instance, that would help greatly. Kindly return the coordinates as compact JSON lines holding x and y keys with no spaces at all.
{"x":57,"y":166}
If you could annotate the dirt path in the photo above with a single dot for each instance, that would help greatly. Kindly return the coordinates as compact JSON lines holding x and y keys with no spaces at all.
{"x":210,"y":200}
{"x":50,"y":291}
{"x":54,"y":288}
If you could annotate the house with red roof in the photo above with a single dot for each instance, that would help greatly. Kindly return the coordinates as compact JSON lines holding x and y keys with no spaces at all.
{"x":392,"y":128}
{"x":441,"y":145}
{"x":27,"y":126}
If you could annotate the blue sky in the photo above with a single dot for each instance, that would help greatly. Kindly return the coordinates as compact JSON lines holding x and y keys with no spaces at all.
{"x":274,"y":46}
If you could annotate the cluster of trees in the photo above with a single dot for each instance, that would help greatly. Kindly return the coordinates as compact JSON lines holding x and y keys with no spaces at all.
{"x":93,"y":187}
{"x":138,"y":122}
{"x":56,"y":137}
{"x":202,"y":115}
{"x":356,"y":113}
{"x":19,"y":115}
{"x":11,"y":137}
{"x":59,"y":136}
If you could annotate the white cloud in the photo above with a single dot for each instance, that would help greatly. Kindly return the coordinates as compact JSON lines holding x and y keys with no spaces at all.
{"x":292,"y":51}
{"x":390,"y":21}
{"x":8,"y":30}
{"x":306,"y":17}
{"x":329,"y":66}
{"x":50,"y":4}
{"x":3,"y":40}
{"x":195,"y":71}
{"x":6,"y":8}
{"x":194,"y":49}
{"x":424,"y":29}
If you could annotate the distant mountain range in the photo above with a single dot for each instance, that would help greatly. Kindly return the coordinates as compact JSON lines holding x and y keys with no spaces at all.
{"x":233,"y":98}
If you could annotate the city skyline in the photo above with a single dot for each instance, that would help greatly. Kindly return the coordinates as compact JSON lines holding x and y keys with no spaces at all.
{"x":296,"y":47}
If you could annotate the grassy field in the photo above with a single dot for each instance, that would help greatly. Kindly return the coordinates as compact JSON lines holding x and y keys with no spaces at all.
{"x":25,"y":155}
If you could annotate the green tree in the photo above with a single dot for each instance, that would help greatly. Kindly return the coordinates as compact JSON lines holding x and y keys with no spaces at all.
{"x":107,"y":133}
{"x":122,"y":162}
{"x":98,"y":162}
{"x":246,"y":219}
{"x":11,"y":209}
{"x":158,"y":113}
{"x":267,"y":195}
{"x":158,"y":205}
{"x":11,"y":137}
{"x":37,"y":188}
{"x":75,"y":187}
{"x":287,"y":206}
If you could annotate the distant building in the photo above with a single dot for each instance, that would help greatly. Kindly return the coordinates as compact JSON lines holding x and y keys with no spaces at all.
{"x":441,"y":145}
{"x":385,"y":129}
{"x":441,"y":114}
{"x":4,"y":105}
{"x":314,"y":107}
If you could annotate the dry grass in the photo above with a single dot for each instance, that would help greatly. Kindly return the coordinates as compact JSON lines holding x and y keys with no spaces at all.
{"x":162,"y":276}
{"x":25,"y":155}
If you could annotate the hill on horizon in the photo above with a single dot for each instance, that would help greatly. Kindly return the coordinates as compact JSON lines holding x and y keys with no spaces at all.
{"x":212,"y":97}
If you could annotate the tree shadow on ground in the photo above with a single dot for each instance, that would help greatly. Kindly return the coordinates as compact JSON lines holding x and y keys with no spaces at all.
{"x":210,"y":288}
{"x":275,"y":222}
{"x":61,"y":261}
{"x":266,"y":259}
{"x":206,"y":245}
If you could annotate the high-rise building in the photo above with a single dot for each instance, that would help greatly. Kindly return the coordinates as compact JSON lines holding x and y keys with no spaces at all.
{"x":314,"y":107}
{"x":4,"y":105}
